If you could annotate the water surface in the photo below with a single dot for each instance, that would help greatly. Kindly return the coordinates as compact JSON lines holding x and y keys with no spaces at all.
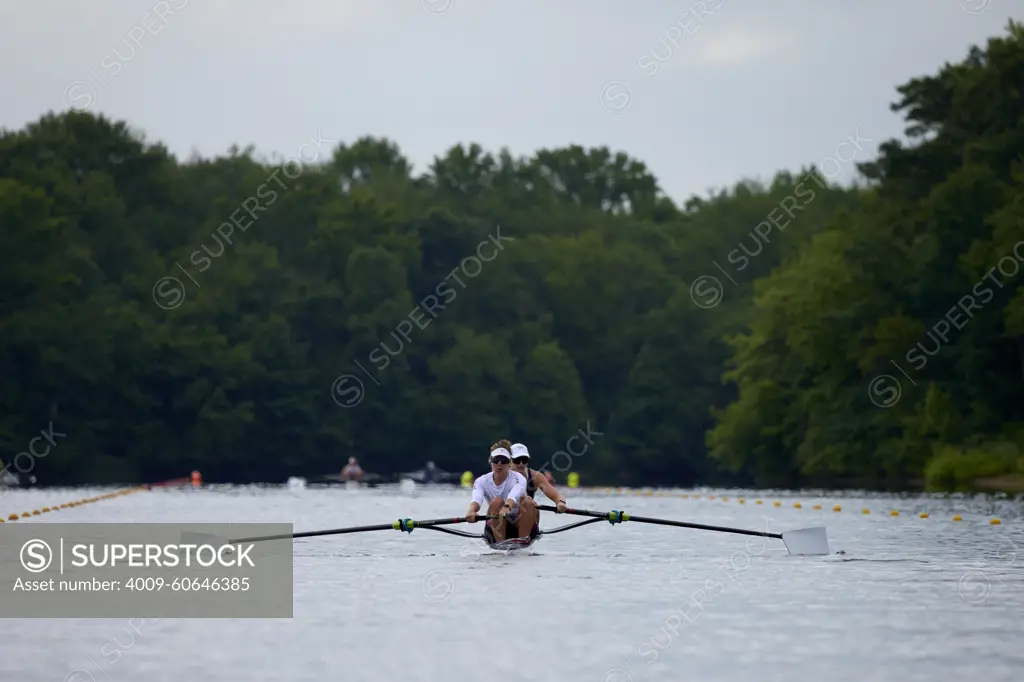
{"x":907,"y":599}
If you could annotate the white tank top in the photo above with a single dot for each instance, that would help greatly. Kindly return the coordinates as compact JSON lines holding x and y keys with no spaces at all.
{"x":485,"y":490}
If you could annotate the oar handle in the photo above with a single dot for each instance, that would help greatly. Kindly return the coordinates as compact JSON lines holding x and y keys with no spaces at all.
{"x":619,"y":517}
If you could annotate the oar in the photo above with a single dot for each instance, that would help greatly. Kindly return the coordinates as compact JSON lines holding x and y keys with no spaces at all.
{"x":406,"y":525}
{"x":806,"y":541}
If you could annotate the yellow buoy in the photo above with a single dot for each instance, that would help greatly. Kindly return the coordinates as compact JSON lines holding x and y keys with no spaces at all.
{"x":777,"y":503}
{"x":924,"y":515}
{"x":817,"y":506}
{"x":758,"y":502}
{"x":994,"y":522}
{"x":797,"y":505}
{"x":958,"y":518}
{"x":725,"y":499}
{"x":837,"y":508}
{"x":573,"y":480}
{"x":12,"y":517}
{"x":25,"y":515}
{"x":865,"y":511}
{"x":46,"y":510}
{"x":894,"y":512}
{"x":685,"y":497}
{"x":742,"y":501}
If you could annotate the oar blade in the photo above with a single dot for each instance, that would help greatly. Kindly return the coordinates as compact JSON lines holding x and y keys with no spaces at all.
{"x":806,"y":541}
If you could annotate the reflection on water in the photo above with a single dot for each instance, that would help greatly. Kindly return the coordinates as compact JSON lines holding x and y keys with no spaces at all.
{"x":901,"y":598}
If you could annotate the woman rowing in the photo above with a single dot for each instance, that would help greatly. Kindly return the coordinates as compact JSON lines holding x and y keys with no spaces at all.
{"x":501,"y":491}
{"x":352,"y":470}
{"x":535,"y":481}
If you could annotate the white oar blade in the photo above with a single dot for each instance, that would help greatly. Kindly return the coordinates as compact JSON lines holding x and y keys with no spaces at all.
{"x":807,"y":541}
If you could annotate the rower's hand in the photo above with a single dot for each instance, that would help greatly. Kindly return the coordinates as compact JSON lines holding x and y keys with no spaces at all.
{"x":471,"y":517}
{"x":560,"y":507}
{"x":503,"y":513}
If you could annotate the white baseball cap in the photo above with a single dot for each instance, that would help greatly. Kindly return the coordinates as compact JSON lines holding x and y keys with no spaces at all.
{"x":520,"y":450}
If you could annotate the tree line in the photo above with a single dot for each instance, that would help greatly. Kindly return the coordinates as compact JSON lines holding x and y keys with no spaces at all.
{"x":256,"y":318}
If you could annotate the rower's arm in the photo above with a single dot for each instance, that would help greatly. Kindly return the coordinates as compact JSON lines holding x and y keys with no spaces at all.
{"x":541,"y":481}
{"x":478,"y":497}
{"x":518,"y":490}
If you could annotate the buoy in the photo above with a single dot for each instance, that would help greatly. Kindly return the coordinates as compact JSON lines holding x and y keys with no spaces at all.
{"x":12,"y":517}
{"x":711,"y":497}
{"x":777,"y":503}
{"x":817,"y":506}
{"x":958,"y":518}
{"x":797,"y":505}
{"x":758,"y":502}
{"x":924,"y":515}
{"x":994,"y":522}
{"x":197,"y":479}
{"x":573,"y":480}
{"x":894,"y":513}
{"x":837,"y":508}
{"x":685,"y":497}
{"x":725,"y":499}
{"x":742,"y":501}
{"x":467,"y":479}
{"x":865,"y":511}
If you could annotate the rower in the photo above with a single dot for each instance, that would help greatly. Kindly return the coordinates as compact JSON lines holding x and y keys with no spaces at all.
{"x":352,"y":471}
{"x":501,"y":491}
{"x":534,"y":480}
{"x":429,"y":473}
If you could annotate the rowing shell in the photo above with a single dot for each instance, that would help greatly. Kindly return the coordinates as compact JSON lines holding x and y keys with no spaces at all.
{"x":513,"y":544}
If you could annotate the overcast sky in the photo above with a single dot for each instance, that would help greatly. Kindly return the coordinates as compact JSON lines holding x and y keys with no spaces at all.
{"x":705,"y":93}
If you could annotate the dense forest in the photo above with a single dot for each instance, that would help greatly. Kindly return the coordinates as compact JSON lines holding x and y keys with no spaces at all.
{"x":259,"y":318}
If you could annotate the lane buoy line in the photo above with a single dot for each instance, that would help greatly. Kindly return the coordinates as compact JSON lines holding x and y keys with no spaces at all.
{"x":75,"y":503}
{"x":994,"y":521}
{"x":195,"y":480}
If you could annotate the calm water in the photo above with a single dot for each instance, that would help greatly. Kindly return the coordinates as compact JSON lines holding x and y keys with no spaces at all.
{"x":911,"y":599}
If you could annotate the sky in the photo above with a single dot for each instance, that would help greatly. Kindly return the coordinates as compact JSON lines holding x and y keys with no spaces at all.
{"x":705,"y":93}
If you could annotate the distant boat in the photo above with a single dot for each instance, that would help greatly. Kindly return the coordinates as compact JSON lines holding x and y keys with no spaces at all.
{"x":9,"y":479}
{"x":368,"y":481}
{"x":427,"y":477}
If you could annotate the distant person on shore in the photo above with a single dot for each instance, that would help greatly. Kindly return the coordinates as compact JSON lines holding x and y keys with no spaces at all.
{"x":352,"y":471}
